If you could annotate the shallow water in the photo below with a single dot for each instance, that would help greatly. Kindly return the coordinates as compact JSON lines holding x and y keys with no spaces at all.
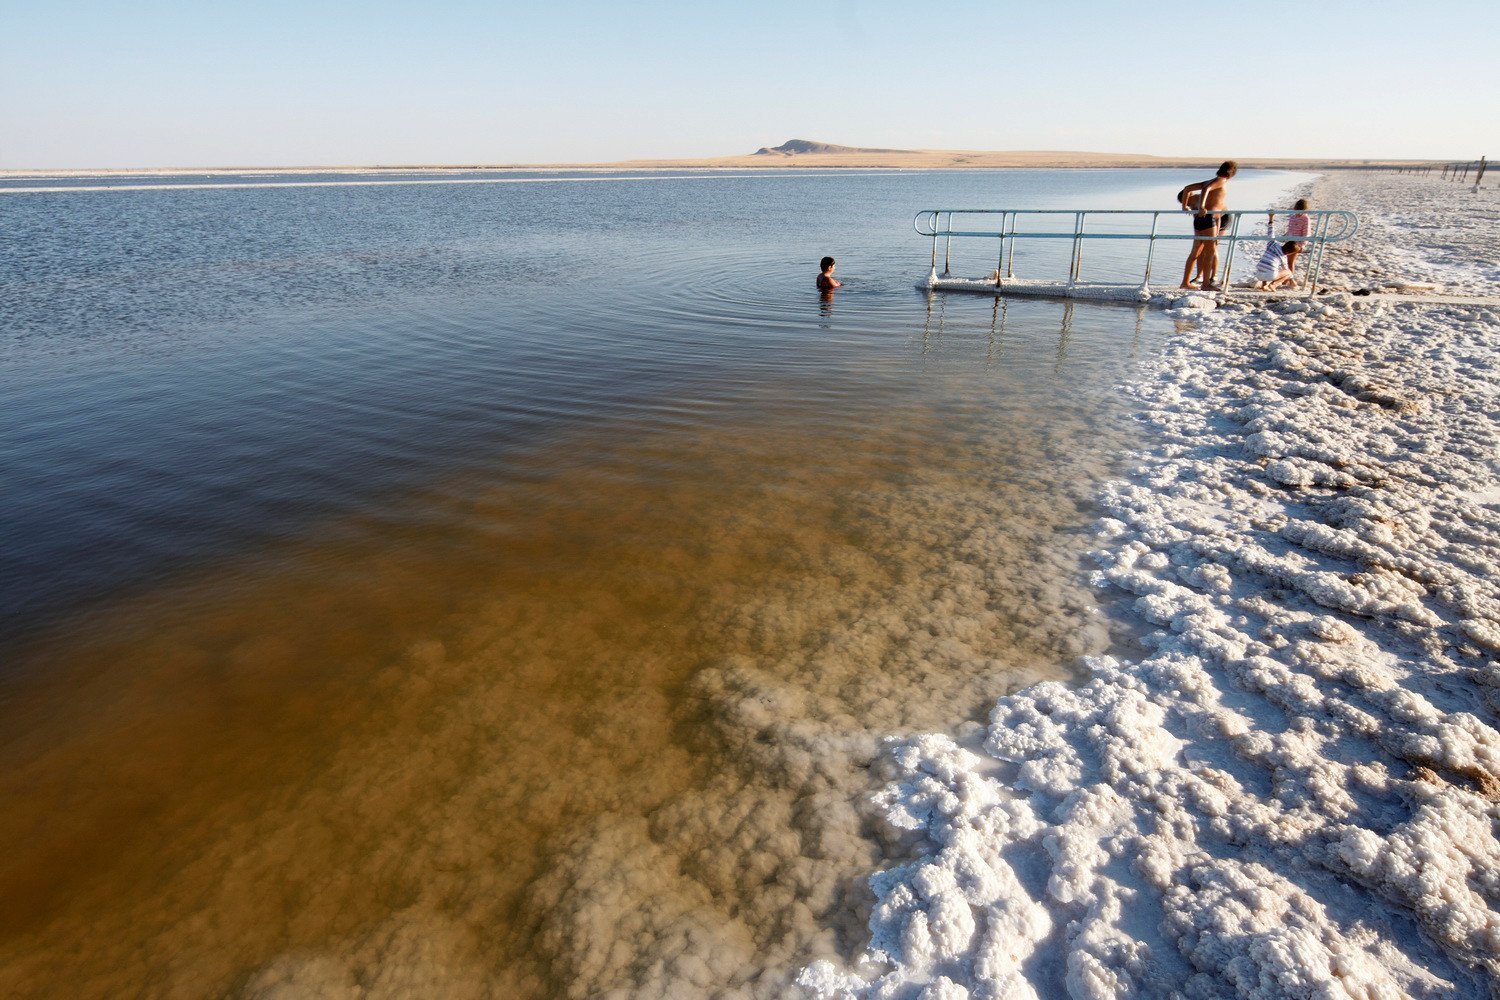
{"x":502,"y":589}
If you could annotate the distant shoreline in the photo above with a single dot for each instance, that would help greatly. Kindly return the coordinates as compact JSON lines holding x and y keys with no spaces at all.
{"x":892,"y":160}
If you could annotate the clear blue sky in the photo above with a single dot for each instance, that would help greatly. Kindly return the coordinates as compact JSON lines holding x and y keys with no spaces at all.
{"x":178,"y":83}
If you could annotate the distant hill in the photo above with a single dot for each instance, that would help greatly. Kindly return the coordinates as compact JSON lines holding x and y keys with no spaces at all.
{"x":793,"y":147}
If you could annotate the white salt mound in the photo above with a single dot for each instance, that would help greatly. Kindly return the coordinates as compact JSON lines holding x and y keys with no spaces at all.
{"x":1294,"y":792}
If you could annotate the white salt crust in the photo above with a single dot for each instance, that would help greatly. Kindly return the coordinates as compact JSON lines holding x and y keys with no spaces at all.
{"x":1293,"y":792}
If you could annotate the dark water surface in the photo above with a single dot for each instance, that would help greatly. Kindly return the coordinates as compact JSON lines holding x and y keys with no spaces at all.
{"x":501,"y":589}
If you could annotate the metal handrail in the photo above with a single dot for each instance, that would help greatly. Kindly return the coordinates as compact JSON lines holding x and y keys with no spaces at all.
{"x":929,"y":222}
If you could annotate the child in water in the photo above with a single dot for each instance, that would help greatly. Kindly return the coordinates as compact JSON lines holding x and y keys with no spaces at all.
{"x":826,"y":281}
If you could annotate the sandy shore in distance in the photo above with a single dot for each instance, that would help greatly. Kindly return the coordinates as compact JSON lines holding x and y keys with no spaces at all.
{"x":933,"y":159}
{"x":905,"y":159}
{"x":1295,"y":791}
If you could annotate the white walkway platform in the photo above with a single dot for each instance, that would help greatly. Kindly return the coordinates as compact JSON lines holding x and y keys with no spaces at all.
{"x":1165,"y":297}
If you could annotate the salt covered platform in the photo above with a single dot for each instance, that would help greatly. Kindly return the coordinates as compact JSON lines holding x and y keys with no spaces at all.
{"x":1166,"y":297}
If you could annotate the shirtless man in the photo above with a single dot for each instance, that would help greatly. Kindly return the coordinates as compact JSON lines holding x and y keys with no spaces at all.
{"x":1206,"y":201}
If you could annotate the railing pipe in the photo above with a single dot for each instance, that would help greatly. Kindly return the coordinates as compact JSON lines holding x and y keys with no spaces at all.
{"x":948,"y":250}
{"x":1150,"y":250}
{"x":1076,"y":268}
{"x":1234,"y":232}
{"x":1317,"y":268}
{"x":1000,"y":260}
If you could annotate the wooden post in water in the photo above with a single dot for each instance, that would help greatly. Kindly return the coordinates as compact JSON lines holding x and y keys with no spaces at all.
{"x":1479,"y":175}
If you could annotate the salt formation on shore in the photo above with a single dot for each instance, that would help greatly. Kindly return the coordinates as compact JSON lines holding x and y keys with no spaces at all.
{"x":1294,"y":794}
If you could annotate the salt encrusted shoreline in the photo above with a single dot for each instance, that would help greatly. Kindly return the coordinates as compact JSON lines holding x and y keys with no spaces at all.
{"x":1294,"y":794}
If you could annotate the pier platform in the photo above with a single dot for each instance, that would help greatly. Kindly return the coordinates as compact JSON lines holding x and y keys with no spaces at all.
{"x":1171,"y":297}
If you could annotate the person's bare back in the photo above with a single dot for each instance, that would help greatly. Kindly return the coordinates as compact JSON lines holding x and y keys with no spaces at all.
{"x":1214,"y":197}
{"x":826,"y":281}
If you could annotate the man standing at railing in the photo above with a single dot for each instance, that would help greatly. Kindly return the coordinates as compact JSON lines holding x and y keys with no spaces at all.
{"x":1206,"y":200}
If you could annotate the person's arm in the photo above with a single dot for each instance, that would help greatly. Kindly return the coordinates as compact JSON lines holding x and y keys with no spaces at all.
{"x":1185,"y":195}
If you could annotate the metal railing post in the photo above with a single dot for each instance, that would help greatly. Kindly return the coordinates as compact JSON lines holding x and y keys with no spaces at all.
{"x":932,"y":275}
{"x":1234,"y":232}
{"x":948,"y":250}
{"x":1000,"y":260}
{"x":1150,"y":252}
{"x":1317,"y":268}
{"x":1077,"y":239}
{"x":1082,"y":225}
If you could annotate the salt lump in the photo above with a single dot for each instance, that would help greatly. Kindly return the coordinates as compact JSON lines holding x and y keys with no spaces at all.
{"x":1295,"y":794}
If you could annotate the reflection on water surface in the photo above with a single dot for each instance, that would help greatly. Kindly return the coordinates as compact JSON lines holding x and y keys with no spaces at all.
{"x":506,"y":640}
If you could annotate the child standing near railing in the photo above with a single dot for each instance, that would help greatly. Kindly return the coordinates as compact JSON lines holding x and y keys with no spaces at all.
{"x":1297,"y":225}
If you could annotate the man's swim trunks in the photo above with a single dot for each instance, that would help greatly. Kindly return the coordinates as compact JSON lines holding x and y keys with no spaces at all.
{"x":1203,"y":223}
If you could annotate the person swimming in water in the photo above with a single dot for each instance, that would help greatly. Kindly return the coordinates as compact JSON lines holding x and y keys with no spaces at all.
{"x":826,"y":281}
{"x":1206,"y":200}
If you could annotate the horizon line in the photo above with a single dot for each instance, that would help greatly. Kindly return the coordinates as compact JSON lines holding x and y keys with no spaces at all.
{"x":842,"y":158}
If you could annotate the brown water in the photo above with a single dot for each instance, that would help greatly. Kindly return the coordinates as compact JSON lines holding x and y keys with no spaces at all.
{"x":522,"y":646}
{"x":618,"y":704}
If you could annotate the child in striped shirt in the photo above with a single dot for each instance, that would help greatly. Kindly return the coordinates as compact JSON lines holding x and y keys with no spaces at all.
{"x":1271,"y":271}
